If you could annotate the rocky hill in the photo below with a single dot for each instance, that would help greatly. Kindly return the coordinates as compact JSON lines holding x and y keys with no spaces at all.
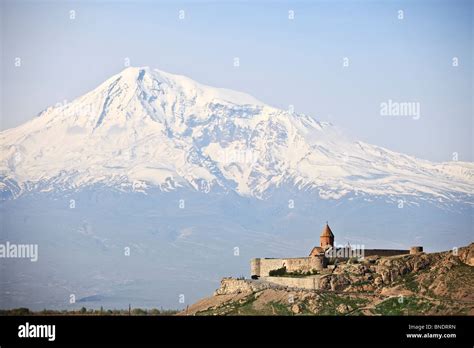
{"x":422,"y":284}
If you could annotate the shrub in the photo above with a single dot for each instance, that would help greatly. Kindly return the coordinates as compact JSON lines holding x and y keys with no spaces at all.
{"x":139,"y":311}
{"x":277,"y":272}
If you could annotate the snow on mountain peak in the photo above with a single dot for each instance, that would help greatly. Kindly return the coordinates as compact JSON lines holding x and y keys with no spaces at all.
{"x":147,"y":128}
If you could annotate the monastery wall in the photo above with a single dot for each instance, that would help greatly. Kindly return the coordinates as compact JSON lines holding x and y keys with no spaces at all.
{"x":310,"y":283}
{"x":262,"y":267}
{"x":385,"y":252}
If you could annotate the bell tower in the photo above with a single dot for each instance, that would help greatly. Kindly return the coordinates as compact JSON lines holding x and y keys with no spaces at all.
{"x":327,"y":237}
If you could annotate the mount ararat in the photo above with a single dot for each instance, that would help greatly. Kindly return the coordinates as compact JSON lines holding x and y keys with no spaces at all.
{"x":145,"y":128}
{"x":150,"y":188}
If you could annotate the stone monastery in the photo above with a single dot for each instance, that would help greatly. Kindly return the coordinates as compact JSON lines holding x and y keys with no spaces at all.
{"x":321,"y":260}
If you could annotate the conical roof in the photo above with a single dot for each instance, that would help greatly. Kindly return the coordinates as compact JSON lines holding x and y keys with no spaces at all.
{"x":327,"y":231}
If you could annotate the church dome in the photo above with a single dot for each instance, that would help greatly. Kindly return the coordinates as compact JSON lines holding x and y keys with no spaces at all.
{"x":327,"y":232}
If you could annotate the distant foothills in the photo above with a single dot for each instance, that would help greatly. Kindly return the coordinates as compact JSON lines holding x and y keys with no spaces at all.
{"x":84,"y":311}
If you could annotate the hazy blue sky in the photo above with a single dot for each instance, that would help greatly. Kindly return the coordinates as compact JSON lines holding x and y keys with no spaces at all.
{"x":282,"y":62}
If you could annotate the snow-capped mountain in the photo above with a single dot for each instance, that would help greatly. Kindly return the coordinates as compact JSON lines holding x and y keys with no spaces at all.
{"x":145,"y":128}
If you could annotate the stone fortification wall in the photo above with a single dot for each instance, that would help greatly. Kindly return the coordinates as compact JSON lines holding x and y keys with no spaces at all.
{"x":385,"y":252}
{"x":310,"y":283}
{"x":262,"y":267}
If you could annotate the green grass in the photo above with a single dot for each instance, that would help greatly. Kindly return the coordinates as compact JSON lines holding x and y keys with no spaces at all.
{"x":245,"y":308}
{"x":238,"y":308}
{"x":280,"y":309}
{"x":331,"y":301}
{"x":411,"y":305}
{"x":461,"y":275}
{"x":410,"y":282}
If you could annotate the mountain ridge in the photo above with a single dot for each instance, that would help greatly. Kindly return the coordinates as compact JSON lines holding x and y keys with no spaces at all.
{"x":145,"y":128}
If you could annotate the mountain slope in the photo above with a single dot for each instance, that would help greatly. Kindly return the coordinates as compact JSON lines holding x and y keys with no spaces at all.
{"x":145,"y":128}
